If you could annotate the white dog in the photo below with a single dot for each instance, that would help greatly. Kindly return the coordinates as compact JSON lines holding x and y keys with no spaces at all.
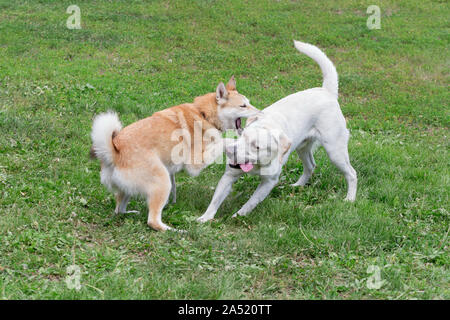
{"x":297,"y":122}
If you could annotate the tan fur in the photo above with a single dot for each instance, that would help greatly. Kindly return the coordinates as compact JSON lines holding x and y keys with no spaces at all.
{"x":153,"y":134}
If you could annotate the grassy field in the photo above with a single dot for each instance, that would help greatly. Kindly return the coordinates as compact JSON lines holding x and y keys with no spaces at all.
{"x":300,"y":243}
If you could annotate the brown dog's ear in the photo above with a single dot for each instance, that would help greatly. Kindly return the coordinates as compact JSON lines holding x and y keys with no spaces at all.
{"x":221,"y":92}
{"x":231,"y":85}
{"x":284,"y":146}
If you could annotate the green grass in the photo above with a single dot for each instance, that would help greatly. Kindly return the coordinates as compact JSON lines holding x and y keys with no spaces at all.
{"x":136,"y":58}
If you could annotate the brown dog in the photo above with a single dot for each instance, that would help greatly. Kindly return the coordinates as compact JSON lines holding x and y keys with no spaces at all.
{"x":143,"y":157}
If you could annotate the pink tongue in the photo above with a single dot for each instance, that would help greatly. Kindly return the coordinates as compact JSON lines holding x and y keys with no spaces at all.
{"x":246,"y":167}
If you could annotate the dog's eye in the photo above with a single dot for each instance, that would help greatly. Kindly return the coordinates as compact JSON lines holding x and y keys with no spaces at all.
{"x":243,"y":106}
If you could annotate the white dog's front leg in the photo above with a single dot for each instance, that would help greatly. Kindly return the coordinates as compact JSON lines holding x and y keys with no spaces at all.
{"x":223,"y":189}
{"x":259,"y":195}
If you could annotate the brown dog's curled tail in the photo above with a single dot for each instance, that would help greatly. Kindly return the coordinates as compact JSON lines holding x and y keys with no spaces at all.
{"x":105,"y":127}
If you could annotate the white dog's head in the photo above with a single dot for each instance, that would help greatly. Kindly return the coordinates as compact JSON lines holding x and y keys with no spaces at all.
{"x":258,"y":145}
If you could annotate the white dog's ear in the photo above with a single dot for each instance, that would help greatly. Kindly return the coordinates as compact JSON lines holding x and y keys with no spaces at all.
{"x":284,"y":145}
{"x":221,"y":93}
{"x":231,"y":85}
{"x":251,"y":119}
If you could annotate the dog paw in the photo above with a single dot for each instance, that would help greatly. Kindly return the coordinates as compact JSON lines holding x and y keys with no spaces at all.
{"x":239,"y":214}
{"x":298,"y":184}
{"x":125,"y":212}
{"x":176,"y":230}
{"x":204,"y":219}
{"x":302,"y":181}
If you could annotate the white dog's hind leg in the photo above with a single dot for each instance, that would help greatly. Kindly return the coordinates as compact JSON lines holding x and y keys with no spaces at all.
{"x":338,"y":153}
{"x":260,"y":194}
{"x":307,"y":157}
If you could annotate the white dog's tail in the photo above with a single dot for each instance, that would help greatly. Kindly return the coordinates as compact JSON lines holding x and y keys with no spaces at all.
{"x":105,"y":127}
{"x":330,"y":76}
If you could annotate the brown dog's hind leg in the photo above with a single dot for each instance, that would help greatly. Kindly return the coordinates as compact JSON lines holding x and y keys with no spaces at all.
{"x":174,"y":188}
{"x":122,"y":200}
{"x":119,"y":196}
{"x":158,"y":193}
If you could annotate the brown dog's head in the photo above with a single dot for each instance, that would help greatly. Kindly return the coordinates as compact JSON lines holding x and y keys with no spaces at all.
{"x":232,"y":106}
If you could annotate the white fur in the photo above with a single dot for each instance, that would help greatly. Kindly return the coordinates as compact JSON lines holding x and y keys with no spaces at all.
{"x":330,"y":76}
{"x":306,"y":118}
{"x":102,"y":129}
